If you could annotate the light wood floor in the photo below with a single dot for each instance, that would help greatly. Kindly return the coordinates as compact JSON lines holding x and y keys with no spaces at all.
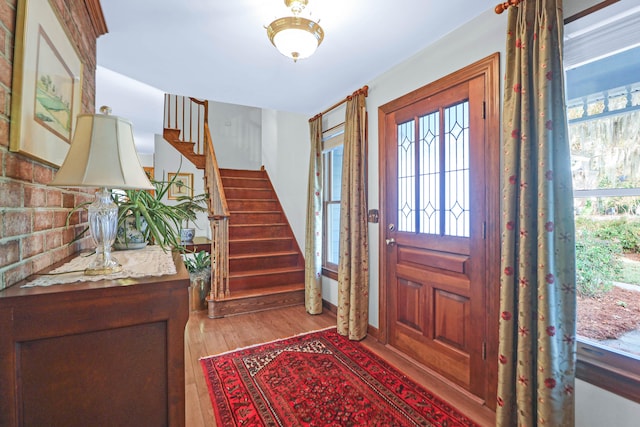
{"x":204,"y":337}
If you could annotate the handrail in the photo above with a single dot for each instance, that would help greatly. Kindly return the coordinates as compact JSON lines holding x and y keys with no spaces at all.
{"x":219,"y":219}
{"x":223,"y":208}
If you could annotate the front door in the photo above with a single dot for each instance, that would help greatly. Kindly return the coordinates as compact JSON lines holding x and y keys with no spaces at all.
{"x":435,"y":214}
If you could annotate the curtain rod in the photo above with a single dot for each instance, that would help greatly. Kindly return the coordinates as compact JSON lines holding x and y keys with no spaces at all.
{"x":364,"y":90}
{"x":504,"y":6}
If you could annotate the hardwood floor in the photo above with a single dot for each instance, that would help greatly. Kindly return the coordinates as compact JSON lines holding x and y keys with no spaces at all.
{"x":204,"y":337}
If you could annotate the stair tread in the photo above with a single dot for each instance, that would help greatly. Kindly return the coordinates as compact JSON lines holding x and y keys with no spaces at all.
{"x":263,"y":254}
{"x":259,"y":224}
{"x":258,"y":200}
{"x":255,"y":212}
{"x":265,"y":271}
{"x":261,"y":239}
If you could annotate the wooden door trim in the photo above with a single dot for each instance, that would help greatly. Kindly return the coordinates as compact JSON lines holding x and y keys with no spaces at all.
{"x":488,"y":68}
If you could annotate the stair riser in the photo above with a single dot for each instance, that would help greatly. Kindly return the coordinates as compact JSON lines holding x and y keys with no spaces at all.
{"x":261,"y":263}
{"x":226,"y":173}
{"x":249,"y":193}
{"x":254,"y":247}
{"x":256,"y":218}
{"x":258,"y":231}
{"x":252,"y":205}
{"x":245,"y":182}
{"x":261,"y":281}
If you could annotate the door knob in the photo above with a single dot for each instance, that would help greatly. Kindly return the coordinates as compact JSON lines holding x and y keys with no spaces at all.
{"x":391,"y":241}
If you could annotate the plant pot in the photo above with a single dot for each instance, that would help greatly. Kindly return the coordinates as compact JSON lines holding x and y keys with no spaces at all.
{"x":199,"y":290}
{"x":129,"y":236}
{"x":187,"y":234}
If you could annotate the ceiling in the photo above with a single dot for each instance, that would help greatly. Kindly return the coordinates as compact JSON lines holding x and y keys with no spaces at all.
{"x":219,"y":50}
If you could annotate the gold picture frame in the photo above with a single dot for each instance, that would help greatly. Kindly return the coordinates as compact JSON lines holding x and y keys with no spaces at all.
{"x":148,"y":170}
{"x":47,"y":85}
{"x":182,"y":186}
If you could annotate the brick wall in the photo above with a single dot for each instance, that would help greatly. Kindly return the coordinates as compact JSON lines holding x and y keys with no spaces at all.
{"x":33,"y":232}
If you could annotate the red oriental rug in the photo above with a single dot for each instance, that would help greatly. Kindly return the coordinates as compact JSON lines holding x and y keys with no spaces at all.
{"x":318,"y":379}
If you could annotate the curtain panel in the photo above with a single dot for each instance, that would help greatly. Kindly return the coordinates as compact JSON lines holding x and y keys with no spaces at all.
{"x":537,"y":325}
{"x":313,"y":239}
{"x":353,"y":268}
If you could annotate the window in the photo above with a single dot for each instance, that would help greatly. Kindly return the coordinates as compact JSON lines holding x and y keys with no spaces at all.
{"x":602,"y":67}
{"x":433,"y":193}
{"x":332,"y":173}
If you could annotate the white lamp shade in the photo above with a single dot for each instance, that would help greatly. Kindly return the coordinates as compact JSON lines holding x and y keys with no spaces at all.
{"x":102,"y":154}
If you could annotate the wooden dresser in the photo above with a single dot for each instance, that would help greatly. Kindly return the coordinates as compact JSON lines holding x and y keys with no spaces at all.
{"x":106,"y":353}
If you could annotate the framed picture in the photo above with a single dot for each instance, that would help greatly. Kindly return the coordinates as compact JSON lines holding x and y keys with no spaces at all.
{"x":182,"y":186}
{"x":47,"y":85}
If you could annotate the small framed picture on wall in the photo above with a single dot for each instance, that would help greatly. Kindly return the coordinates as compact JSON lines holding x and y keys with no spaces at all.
{"x":182,"y":185}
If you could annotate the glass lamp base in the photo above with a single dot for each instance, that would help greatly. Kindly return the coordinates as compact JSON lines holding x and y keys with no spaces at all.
{"x":103,"y":223}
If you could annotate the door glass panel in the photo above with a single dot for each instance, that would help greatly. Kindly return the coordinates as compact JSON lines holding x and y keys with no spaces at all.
{"x":430,"y":173}
{"x":406,"y":177}
{"x":456,"y":180}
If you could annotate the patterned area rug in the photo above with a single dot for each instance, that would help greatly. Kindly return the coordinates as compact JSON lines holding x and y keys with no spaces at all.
{"x":318,"y":379}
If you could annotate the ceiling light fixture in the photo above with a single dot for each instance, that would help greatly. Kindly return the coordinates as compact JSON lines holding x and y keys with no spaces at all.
{"x":294,"y":36}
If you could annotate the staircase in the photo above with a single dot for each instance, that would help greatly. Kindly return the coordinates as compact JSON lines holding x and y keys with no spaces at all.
{"x":266,"y":267}
{"x":258,"y":264}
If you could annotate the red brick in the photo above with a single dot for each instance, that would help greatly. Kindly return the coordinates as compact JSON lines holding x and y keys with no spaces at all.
{"x":6,"y":70}
{"x":17,"y":223}
{"x":35,"y":197}
{"x":19,"y":167}
{"x":4,"y":132}
{"x":8,"y":15}
{"x":42,"y":220}
{"x":15,"y":274}
{"x":54,"y":198}
{"x":60,"y":219}
{"x":68,"y":200}
{"x":53,"y":240}
{"x":61,"y":253}
{"x":9,"y":253}
{"x":68,"y":234}
{"x":74,"y":219}
{"x":42,"y":174}
{"x":11,"y":194}
{"x":32,"y":245}
{"x":41,"y":262}
{"x":3,"y":93}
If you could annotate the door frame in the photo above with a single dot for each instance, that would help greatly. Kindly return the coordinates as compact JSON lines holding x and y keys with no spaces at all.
{"x":489,"y":69}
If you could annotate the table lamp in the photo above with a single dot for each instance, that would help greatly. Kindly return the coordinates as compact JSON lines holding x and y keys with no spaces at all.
{"x":102,"y":155}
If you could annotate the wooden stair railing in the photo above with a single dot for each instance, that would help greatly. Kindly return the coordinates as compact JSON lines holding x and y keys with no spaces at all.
{"x":219,"y":219}
{"x":184,"y":120}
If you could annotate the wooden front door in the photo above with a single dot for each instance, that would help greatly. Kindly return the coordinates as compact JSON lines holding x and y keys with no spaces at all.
{"x":436,"y":198}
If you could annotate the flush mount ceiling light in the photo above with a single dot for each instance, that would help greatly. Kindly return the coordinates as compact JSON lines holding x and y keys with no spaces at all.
{"x":294,"y":36}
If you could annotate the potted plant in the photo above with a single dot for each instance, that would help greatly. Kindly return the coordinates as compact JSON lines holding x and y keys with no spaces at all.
{"x":199,"y":266}
{"x":143,"y":217}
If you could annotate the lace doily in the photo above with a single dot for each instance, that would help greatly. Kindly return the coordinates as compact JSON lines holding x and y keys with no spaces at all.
{"x":149,"y":261}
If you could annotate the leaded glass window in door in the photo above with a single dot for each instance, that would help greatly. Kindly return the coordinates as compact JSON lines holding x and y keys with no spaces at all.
{"x":433,"y":172}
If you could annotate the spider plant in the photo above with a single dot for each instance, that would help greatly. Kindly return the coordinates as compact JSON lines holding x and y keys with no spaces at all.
{"x":158,"y":222}
{"x":163,"y":221}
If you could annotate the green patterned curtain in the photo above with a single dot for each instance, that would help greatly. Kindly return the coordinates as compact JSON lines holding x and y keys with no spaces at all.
{"x":313,"y":240}
{"x":353,"y":269}
{"x":536,"y":366}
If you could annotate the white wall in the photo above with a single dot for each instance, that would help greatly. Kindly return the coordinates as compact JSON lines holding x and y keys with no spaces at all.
{"x":285,"y":156}
{"x":236,"y":131}
{"x":596,"y":407}
{"x":168,"y":159}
